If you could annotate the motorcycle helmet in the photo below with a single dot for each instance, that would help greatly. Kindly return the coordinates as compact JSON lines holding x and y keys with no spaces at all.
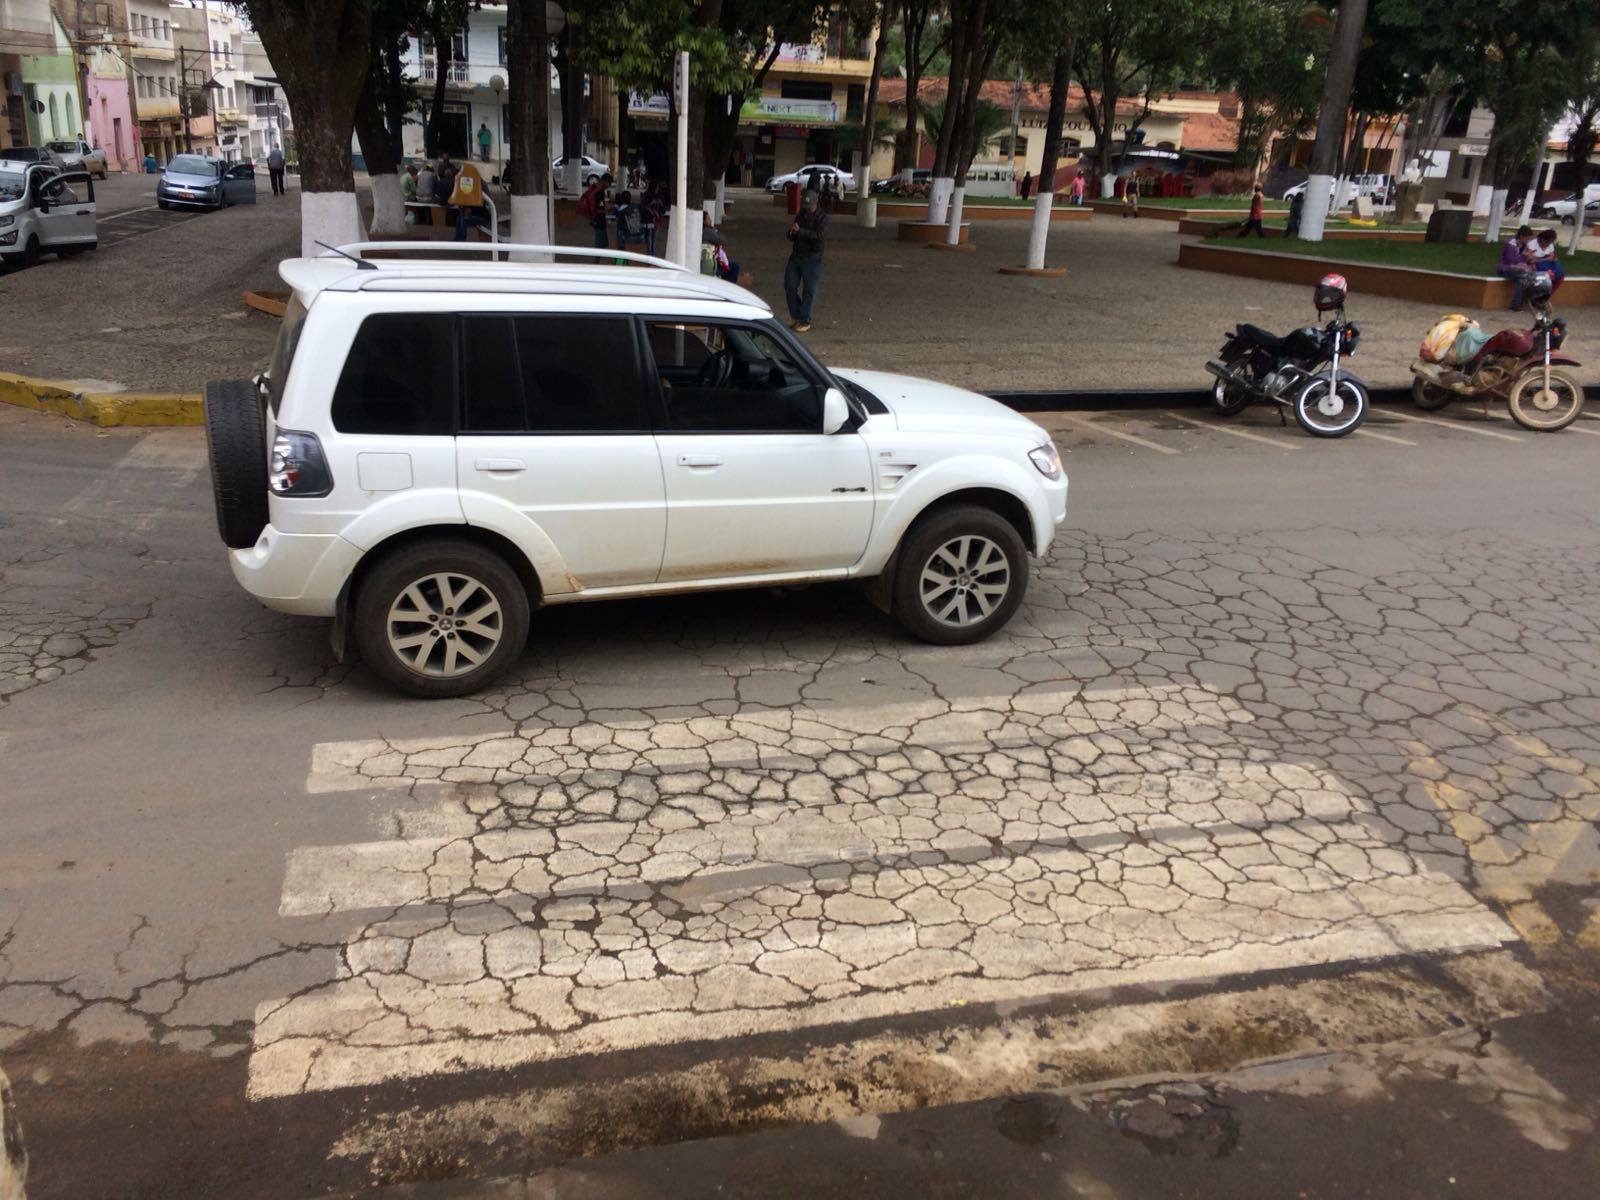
{"x":1331,"y":291}
{"x":1538,"y":289}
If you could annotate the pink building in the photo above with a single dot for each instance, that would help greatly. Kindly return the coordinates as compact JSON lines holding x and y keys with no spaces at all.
{"x":111,"y":126}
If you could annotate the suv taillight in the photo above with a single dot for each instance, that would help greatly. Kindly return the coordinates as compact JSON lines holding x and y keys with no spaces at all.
{"x":297,"y":467}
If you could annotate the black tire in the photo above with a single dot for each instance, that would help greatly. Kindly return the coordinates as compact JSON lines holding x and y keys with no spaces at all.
{"x":163,"y":205}
{"x":30,"y":252}
{"x":387,"y":584}
{"x":931,"y":535}
{"x":236,"y":442}
{"x":1226,"y":399}
{"x":1430,"y":397}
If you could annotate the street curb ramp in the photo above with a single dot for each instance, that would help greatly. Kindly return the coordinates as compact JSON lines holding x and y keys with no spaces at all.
{"x":101,"y":408}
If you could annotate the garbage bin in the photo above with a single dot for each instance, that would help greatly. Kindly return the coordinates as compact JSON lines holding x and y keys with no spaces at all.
{"x":1449,"y":225}
{"x":791,"y":191}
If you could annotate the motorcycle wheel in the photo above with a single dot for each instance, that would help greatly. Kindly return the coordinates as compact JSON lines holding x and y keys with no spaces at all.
{"x":1325,"y":412}
{"x":1545,"y":410}
{"x":1430,"y":396}
{"x":1226,"y":398}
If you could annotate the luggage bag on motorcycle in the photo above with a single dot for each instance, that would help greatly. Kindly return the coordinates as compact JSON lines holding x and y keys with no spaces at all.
{"x":1440,"y":341}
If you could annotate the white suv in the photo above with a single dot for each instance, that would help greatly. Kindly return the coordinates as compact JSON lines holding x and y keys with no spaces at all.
{"x":441,"y":446}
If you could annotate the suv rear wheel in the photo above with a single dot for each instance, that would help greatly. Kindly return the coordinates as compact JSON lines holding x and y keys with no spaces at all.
{"x":962,"y":572}
{"x":441,"y":618}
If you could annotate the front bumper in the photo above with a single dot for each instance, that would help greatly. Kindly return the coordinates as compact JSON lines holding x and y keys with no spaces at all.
{"x":194,"y":200}
{"x":296,"y":572}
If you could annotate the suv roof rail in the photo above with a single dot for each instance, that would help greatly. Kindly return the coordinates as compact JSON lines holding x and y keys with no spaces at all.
{"x":423,"y":250}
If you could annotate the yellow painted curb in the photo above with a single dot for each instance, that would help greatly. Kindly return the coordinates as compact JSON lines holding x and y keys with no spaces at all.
{"x":100,"y":408}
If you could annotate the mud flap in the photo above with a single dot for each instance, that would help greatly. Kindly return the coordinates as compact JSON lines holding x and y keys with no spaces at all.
{"x":339,"y":634}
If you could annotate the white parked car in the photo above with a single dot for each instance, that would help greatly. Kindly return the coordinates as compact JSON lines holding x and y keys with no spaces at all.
{"x":590,"y":170}
{"x":1566,"y":209}
{"x":43,"y":211}
{"x":1374,"y":187}
{"x":812,"y":175}
{"x":438,"y":448}
{"x":78,"y":156}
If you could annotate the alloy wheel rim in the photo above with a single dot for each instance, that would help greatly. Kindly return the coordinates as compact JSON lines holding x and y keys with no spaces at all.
{"x":965,"y":580}
{"x":444,"y":624}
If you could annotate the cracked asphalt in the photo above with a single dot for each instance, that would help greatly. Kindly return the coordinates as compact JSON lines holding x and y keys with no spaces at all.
{"x":1292,"y":747}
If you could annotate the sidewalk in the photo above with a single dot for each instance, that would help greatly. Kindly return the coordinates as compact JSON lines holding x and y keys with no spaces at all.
{"x":1495,"y":1112}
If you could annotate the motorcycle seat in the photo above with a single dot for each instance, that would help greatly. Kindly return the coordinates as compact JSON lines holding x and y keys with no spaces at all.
{"x":1271,"y":343}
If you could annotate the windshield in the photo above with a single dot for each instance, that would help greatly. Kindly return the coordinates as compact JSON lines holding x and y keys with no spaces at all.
{"x":192,"y":164}
{"x":12,"y":184}
{"x":62,"y":146}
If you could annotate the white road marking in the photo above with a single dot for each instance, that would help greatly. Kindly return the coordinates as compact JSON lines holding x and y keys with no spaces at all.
{"x":1577,"y":426}
{"x":128,"y":212}
{"x":1101,"y":427}
{"x":1460,"y":426}
{"x":1384,"y":437}
{"x":1218,"y":427}
{"x":175,"y":451}
{"x":966,"y":900}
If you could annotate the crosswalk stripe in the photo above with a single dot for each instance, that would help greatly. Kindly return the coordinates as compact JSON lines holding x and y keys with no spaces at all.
{"x":1102,"y":427}
{"x":1275,"y":443}
{"x":1460,"y":426}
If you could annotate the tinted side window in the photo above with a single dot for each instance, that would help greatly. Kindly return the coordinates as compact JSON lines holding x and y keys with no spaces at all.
{"x":552,"y":374}
{"x":399,"y":377}
{"x":731,"y":379}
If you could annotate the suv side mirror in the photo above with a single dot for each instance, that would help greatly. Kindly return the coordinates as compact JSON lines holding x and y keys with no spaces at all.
{"x":835,"y":411}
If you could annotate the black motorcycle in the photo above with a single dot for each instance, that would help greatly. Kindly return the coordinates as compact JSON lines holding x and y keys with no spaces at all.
{"x":1301,"y":371}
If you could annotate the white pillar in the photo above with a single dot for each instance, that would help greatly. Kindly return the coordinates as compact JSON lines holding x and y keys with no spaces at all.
{"x":956,"y":198}
{"x":1108,"y":186}
{"x":1534,"y":188}
{"x":1584,"y":194}
{"x":1039,"y":230}
{"x":530,"y":220}
{"x":1497,"y":214}
{"x":328,"y":217}
{"x":1314,"y":213}
{"x":388,"y":205}
{"x":939,"y":199}
{"x":866,"y":209}
{"x":719,"y":211}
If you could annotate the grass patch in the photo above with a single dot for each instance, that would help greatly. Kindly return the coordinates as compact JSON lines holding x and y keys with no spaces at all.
{"x":1242,"y":203}
{"x":969,"y":202}
{"x":1455,"y":258}
{"x":1277,"y":226}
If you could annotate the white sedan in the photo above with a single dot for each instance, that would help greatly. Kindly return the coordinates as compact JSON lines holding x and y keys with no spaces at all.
{"x":591,"y":169}
{"x":811,"y":176}
{"x":1566,"y":209}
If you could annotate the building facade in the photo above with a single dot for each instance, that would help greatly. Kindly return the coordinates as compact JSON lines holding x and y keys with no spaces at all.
{"x":113,"y":126}
{"x":26,"y":29}
{"x":50,"y":90}
{"x":157,"y":79}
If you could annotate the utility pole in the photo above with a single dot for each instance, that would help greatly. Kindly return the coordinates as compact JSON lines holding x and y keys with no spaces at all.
{"x":183,"y":98}
{"x":1016,"y":119}
{"x":1347,"y":28}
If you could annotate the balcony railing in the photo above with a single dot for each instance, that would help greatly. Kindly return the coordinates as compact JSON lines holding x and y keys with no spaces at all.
{"x":457,"y":72}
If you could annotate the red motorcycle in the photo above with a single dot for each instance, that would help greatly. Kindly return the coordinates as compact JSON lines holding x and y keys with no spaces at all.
{"x":1523,"y":367}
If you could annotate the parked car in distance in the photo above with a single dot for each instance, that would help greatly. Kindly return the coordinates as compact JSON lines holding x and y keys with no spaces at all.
{"x":921,"y":178}
{"x":812,"y":174}
{"x":195,"y":181}
{"x":1374,"y":187}
{"x":22,"y":154}
{"x":43,"y":211}
{"x":591,"y":169}
{"x":439,"y":448}
{"x":78,"y":156}
{"x":1565,"y":209}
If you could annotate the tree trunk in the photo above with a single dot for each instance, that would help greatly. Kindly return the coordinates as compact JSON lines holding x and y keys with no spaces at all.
{"x":981,"y":56}
{"x":1331,"y":117}
{"x":383,"y":163}
{"x":869,"y":119}
{"x":943,"y":168}
{"x":1060,"y":85}
{"x":905,"y":156}
{"x":433,"y":132}
{"x":571,"y":77}
{"x":528,"y":67}
{"x":321,"y":50}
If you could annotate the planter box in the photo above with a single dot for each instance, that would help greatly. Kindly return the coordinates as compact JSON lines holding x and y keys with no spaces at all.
{"x":1403,"y":283}
{"x":1160,"y":212}
{"x":916,"y":211}
{"x":1195,"y":225}
{"x":921,"y":231}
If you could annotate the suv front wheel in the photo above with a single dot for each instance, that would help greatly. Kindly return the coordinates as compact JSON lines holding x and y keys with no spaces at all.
{"x":962,"y":572}
{"x":441,"y":618}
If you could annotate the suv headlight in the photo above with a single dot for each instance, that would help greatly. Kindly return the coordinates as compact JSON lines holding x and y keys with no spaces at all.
{"x":7,"y":221}
{"x":1047,"y":459}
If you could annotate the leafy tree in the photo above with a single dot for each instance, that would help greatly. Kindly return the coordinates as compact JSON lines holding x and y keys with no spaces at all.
{"x":442,"y":20}
{"x":989,"y":122}
{"x":1583,"y":89}
{"x":381,"y":111}
{"x":1266,"y":51}
{"x":925,"y":37}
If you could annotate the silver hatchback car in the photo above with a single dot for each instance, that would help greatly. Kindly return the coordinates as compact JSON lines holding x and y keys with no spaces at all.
{"x":195,"y":181}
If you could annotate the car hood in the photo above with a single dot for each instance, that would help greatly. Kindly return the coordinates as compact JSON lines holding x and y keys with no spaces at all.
{"x":924,"y":406}
{"x":189,"y":181}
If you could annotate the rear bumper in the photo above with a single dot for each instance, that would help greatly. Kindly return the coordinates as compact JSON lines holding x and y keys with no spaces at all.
{"x":296,"y":572}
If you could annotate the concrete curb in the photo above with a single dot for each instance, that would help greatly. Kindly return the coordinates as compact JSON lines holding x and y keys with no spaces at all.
{"x":101,"y":408}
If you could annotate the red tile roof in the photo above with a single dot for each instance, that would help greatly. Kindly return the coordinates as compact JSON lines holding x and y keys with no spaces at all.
{"x":1210,"y":131}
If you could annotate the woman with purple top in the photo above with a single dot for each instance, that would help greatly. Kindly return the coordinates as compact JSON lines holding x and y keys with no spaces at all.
{"x":1514,"y":264}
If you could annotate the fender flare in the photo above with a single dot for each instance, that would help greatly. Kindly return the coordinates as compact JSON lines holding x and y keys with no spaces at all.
{"x":923,"y":489}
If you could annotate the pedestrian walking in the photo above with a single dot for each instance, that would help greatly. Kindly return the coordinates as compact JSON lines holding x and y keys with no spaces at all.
{"x":630,"y":224}
{"x":1078,"y":184}
{"x":485,"y":138}
{"x":1297,"y":203}
{"x":592,"y":207}
{"x":1130,"y":197}
{"x":1027,"y":183}
{"x":1253,"y":224}
{"x":804,"y":270}
{"x":275,"y":169}
{"x":652,"y":208}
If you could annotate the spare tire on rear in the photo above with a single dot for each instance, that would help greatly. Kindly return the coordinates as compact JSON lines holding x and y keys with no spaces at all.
{"x":236,"y":441}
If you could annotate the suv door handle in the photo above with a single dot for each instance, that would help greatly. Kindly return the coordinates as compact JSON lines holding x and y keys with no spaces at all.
{"x":699,"y":460}
{"x":500,"y":464}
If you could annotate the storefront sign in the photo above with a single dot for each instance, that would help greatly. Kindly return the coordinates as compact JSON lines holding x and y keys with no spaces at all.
{"x":767,"y":109}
